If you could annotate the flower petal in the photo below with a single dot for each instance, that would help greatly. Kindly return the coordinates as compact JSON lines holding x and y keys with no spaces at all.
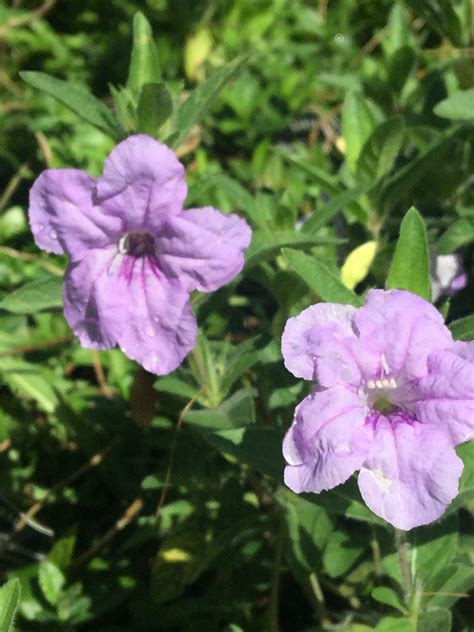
{"x":446,"y":396}
{"x":411,"y":474}
{"x":327,"y":441}
{"x":160,"y":327}
{"x":143,"y":183}
{"x":403,"y":329}
{"x":94,"y":301}
{"x":303,"y":333}
{"x":63,"y":217}
{"x":113,"y":299}
{"x":202,"y":248}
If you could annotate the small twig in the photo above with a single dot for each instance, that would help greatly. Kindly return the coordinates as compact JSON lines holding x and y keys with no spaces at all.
{"x":13,"y":185}
{"x":23,"y":20}
{"x":376,"y":553}
{"x":400,"y":540}
{"x":26,"y":256}
{"x":45,"y":149}
{"x":104,"y":388}
{"x":127,"y":517}
{"x":320,"y":601}
{"x":39,"y":346}
{"x":174,"y":444}
{"x":94,"y":461}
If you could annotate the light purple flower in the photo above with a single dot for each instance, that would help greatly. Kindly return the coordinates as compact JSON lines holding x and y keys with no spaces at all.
{"x":134,"y":254}
{"x":394,"y":394}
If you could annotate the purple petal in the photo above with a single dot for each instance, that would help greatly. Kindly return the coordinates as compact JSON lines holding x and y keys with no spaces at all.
{"x":327,"y":442}
{"x":446,"y":396}
{"x":63,"y":217}
{"x":403,"y":328}
{"x":114,"y":299}
{"x":143,"y":183}
{"x":324,"y":321}
{"x":411,"y":474}
{"x":202,"y":248}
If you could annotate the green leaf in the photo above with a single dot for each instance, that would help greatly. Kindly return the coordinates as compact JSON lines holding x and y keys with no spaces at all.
{"x":35,"y":296}
{"x":29,"y":380}
{"x":9,"y":600}
{"x":463,"y":329}
{"x":235,"y":412}
{"x":340,"y":553}
{"x":51,"y":581}
{"x":76,"y":99}
{"x":394,"y":624}
{"x":155,"y":106}
{"x":458,"y":234}
{"x":380,"y":150}
{"x":452,"y":582}
{"x":357,"y":125}
{"x":320,"y":278}
{"x":201,"y":100}
{"x":457,"y":107}
{"x":438,"y":620}
{"x":466,"y":484}
{"x":309,"y":528}
{"x":401,"y":65}
{"x":431,"y":548}
{"x":442,"y":17}
{"x":267,"y":244}
{"x":328,"y":184}
{"x":410,"y":268}
{"x":325,"y":214}
{"x":144,"y":64}
{"x":401,"y":186}
{"x":389,"y":597}
{"x":258,"y":447}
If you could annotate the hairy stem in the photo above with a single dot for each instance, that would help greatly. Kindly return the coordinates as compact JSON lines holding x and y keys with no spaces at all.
{"x":400,"y":540}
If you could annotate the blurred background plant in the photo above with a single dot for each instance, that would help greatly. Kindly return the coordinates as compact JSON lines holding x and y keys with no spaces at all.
{"x":160,"y":501}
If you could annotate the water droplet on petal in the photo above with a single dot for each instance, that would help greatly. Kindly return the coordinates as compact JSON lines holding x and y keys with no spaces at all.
{"x":37,"y":228}
{"x":53,"y":234}
{"x":149,"y":331}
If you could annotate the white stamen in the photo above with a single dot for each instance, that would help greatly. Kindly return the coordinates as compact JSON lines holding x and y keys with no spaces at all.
{"x":122,"y":248}
{"x":379,"y":383}
{"x":384,"y":363}
{"x":393,"y":383}
{"x":370,"y":384}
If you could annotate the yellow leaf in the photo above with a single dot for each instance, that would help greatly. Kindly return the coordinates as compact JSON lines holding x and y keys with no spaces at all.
{"x":196,"y":50}
{"x":357,"y":265}
{"x":175,"y":555}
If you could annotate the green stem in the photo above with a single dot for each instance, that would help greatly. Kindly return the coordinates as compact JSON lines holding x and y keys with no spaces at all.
{"x":275,"y":585}
{"x":400,"y":540}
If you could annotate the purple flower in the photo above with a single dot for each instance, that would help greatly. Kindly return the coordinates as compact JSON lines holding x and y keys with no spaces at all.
{"x":394,"y":394}
{"x":134,"y":254}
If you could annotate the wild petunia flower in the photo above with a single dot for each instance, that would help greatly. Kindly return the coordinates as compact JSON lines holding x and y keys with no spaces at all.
{"x":394,"y":394}
{"x":134,"y":254}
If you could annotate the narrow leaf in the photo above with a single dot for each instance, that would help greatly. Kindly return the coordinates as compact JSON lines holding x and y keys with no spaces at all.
{"x":463,"y":329}
{"x":457,"y":107}
{"x":320,"y":278}
{"x":410,"y":269}
{"x":34,"y":296}
{"x":144,"y":64}
{"x":9,"y":600}
{"x":201,"y":99}
{"x":357,"y":125}
{"x":154,"y":107}
{"x":76,"y":99}
{"x":380,"y":150}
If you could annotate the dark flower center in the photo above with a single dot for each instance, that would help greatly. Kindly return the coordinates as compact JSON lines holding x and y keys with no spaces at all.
{"x":136,"y":243}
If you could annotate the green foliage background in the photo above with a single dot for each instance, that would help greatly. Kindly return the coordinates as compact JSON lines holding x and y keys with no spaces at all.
{"x":159,"y":502}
